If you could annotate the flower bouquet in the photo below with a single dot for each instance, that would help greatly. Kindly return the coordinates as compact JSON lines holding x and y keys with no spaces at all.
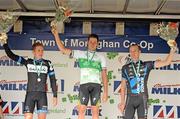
{"x":169,"y":31}
{"x":62,"y":15}
{"x":6,"y":22}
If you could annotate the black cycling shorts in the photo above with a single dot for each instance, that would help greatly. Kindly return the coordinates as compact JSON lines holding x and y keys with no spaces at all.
{"x":136,"y":102}
{"x":33,"y":99}
{"x":90,"y":91}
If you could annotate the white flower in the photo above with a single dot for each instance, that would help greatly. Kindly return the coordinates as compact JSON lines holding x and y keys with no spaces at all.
{"x":62,"y":8}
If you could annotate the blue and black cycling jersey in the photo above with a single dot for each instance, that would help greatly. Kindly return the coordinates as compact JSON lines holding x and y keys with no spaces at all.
{"x":32,"y":67}
{"x":137,"y":84}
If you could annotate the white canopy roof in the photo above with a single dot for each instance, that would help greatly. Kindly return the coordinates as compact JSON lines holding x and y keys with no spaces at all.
{"x":150,"y":9}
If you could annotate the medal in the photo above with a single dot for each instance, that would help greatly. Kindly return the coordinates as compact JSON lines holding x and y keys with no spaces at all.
{"x":39,"y":79}
{"x":136,"y":71}
{"x":38,"y":70}
{"x":139,"y":74}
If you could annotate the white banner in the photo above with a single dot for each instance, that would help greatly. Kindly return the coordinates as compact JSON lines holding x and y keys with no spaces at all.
{"x":163,"y":86}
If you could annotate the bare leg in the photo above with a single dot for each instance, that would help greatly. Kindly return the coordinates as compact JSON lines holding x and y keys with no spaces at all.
{"x":95,"y":112}
{"x":28,"y":115}
{"x":42,"y":116}
{"x":81,"y":111}
{"x":1,"y":113}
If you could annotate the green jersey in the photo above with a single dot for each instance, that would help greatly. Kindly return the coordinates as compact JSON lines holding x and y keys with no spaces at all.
{"x":91,"y":64}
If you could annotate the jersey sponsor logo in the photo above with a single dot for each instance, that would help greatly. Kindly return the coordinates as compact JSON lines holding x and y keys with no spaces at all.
{"x":87,"y":113}
{"x":166,"y":89}
{"x":12,"y":108}
{"x":6,"y":61}
{"x":166,"y":112}
{"x":13,"y":85}
{"x":35,"y":69}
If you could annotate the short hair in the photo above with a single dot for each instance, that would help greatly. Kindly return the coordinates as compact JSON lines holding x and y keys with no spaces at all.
{"x":37,"y":44}
{"x":135,"y":45}
{"x":93,"y":36}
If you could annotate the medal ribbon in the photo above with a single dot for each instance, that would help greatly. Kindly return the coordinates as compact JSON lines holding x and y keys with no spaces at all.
{"x":38,"y":71}
{"x":91,"y":57}
{"x":138,"y":69}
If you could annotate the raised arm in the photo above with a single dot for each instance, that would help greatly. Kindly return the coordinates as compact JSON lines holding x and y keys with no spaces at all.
{"x":59,"y":42}
{"x":14,"y":57}
{"x":167,"y":61}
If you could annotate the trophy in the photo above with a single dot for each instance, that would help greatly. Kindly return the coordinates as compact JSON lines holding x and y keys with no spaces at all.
{"x":169,"y":31}
{"x":6,"y":22}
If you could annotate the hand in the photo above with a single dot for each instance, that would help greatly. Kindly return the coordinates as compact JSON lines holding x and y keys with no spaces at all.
{"x":158,"y":60}
{"x":3,"y":38}
{"x":55,"y":101}
{"x":172,"y":43}
{"x":54,"y":30}
{"x":105,"y":97}
{"x":121,"y":107}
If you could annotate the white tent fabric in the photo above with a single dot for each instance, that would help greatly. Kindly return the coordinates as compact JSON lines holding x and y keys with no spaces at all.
{"x":152,"y":8}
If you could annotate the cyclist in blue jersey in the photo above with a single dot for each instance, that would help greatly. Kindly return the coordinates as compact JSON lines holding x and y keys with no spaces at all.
{"x":92,"y":72}
{"x":37,"y":70}
{"x":134,"y":78}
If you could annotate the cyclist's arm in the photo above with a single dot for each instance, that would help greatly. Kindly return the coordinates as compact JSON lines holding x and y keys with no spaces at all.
{"x":166,"y":61}
{"x":13,"y":56}
{"x":59,"y":43}
{"x":52,"y":77}
{"x":123,"y":90}
{"x":105,"y":81}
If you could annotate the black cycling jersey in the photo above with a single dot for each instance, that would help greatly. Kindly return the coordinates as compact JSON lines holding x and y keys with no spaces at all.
{"x":43,"y":67}
{"x":136,"y":75}
{"x":137,"y":84}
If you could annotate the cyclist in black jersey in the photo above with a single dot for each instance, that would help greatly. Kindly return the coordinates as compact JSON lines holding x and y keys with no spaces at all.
{"x":134,"y":77}
{"x":37,"y":70}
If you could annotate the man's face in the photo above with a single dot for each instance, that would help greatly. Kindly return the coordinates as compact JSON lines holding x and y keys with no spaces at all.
{"x":92,"y":44}
{"x":134,"y":52}
{"x":38,"y":52}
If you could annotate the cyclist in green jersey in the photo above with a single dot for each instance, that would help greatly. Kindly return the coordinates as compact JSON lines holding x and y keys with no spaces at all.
{"x":93,"y":72}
